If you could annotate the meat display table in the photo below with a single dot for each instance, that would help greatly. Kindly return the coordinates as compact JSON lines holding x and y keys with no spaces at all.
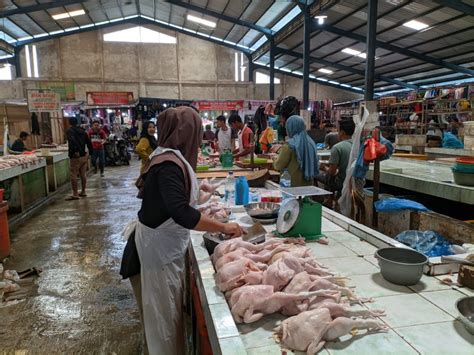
{"x":427,"y":177}
{"x":24,"y":186}
{"x":58,"y":169}
{"x":445,"y":152}
{"x":425,"y":323}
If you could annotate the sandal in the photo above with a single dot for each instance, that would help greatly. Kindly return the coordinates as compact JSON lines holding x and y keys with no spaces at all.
{"x":82,"y":195}
{"x":72,"y":198}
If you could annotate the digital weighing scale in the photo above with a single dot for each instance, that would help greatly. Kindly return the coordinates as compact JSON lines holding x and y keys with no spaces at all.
{"x":299,"y":216}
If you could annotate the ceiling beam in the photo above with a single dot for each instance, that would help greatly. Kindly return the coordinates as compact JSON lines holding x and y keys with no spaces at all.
{"x":137,"y":21}
{"x":345,"y":68}
{"x":310,"y":79}
{"x":39,"y":7}
{"x":393,"y":48}
{"x":223,"y":17}
{"x":457,"y":5}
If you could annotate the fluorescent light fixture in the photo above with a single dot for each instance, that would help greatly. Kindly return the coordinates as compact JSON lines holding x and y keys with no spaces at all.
{"x":68,"y":14}
{"x":321,"y":79}
{"x":416,"y":25}
{"x":321,"y":19}
{"x":56,"y":32}
{"x":312,"y":76}
{"x":201,"y":21}
{"x":71,"y":29}
{"x":334,"y":82}
{"x":354,"y":52}
{"x":325,"y":71}
{"x":87,"y":26}
{"x":346,"y":85}
{"x":285,"y":69}
{"x":297,"y":72}
{"x":41,"y":35}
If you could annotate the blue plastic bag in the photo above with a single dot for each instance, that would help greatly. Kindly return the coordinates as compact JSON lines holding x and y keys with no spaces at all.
{"x":397,"y":204}
{"x":429,"y":243}
{"x":451,"y":141}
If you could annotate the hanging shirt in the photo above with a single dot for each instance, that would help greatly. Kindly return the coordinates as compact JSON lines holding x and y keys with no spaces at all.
{"x":97,"y":139}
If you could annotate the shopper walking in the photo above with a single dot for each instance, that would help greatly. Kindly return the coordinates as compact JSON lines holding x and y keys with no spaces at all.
{"x":147,"y":143}
{"x":170,"y":191}
{"x":299,"y":154}
{"x":98,"y":138}
{"x":78,"y":140}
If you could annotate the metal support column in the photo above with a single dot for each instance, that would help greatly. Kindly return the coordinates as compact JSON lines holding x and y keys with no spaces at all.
{"x":17,"y":62}
{"x":306,"y":56}
{"x":371,"y":38}
{"x":272,"y":68}
{"x":369,"y":90}
{"x":251,"y":67}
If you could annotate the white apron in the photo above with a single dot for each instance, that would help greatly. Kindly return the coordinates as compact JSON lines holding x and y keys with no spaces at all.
{"x":162,"y":251}
{"x":241,"y":145}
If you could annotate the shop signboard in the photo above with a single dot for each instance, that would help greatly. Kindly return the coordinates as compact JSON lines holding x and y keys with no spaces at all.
{"x":66,"y":90}
{"x":109,"y":98}
{"x":43,"y":101}
{"x":219,"y":105}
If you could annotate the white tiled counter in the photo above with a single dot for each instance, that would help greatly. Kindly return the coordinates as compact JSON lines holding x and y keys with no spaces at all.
{"x":421,"y":318}
{"x":426,"y":177}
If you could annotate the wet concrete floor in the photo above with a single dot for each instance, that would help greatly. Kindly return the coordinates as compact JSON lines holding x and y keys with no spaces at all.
{"x":82,"y":305}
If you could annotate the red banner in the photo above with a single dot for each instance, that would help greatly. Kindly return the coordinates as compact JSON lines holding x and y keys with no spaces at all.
{"x":219,"y":105}
{"x":109,"y":98}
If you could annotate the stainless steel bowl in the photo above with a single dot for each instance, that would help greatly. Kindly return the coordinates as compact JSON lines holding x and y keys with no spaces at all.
{"x":401,"y":266}
{"x":465,"y":307}
{"x":263,"y":212}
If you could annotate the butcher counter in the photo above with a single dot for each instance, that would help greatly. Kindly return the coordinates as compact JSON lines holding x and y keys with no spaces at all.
{"x":58,"y":169}
{"x":24,"y":186}
{"x":421,"y":318}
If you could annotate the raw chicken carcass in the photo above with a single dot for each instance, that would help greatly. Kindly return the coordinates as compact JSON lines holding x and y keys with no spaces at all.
{"x":232,"y":244}
{"x":232,"y":275}
{"x":309,"y":331}
{"x":261,"y":257}
{"x":340,"y":310}
{"x":305,"y":331}
{"x":280,"y":273}
{"x":251,"y":303}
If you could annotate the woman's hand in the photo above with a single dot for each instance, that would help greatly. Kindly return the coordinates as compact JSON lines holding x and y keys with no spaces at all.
{"x":234,"y":230}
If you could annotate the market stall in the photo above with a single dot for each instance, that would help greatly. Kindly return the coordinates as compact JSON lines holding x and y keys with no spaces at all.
{"x":349,"y":253}
{"x":25,"y":182}
{"x":57,"y":166}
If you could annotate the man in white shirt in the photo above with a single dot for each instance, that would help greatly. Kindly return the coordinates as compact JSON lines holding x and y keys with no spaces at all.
{"x":225,"y":136}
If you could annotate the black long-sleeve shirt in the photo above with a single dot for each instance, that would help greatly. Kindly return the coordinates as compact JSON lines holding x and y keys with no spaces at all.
{"x":164,"y":197}
{"x":78,"y":140}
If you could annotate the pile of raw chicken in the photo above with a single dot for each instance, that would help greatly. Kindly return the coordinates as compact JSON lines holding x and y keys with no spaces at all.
{"x":209,"y":161}
{"x":215,"y":210}
{"x":10,"y":161}
{"x":280,"y":275}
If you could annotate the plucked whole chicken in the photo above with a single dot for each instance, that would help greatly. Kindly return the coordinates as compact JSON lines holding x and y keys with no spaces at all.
{"x":10,"y":161}
{"x":281,"y":275}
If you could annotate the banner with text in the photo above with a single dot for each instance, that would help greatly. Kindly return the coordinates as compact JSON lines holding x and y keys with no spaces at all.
{"x":219,"y":105}
{"x":44,"y":101}
{"x":66,"y":90}
{"x":109,"y":98}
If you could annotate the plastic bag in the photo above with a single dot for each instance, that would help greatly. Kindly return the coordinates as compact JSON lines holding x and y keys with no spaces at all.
{"x":451,"y":141}
{"x":345,"y":201}
{"x":429,"y":243}
{"x":397,"y":204}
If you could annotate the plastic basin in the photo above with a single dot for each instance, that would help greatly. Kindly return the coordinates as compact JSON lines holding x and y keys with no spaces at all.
{"x":401,"y":266}
{"x":465,"y":307}
{"x":463,"y":178}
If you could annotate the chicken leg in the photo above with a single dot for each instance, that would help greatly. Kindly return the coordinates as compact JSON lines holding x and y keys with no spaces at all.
{"x":342,"y":326}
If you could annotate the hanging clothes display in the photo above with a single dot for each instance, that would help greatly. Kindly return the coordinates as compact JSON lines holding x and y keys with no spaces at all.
{"x":35,"y":127}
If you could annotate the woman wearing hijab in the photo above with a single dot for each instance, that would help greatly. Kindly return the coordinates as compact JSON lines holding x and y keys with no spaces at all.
{"x":170,"y":190}
{"x":147,"y":143}
{"x":299,"y":154}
